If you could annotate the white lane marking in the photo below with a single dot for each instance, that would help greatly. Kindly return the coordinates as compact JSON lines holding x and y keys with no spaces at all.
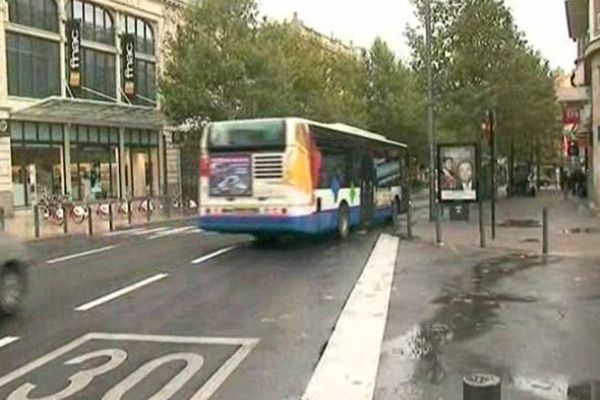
{"x":149,"y":231}
{"x":208,"y":389}
{"x":196,"y":230}
{"x":212,"y":255}
{"x":348,"y":368}
{"x":124,"y":232}
{"x":120,"y":292}
{"x":170,"y":232}
{"x":83,"y":254}
{"x":8,"y":340}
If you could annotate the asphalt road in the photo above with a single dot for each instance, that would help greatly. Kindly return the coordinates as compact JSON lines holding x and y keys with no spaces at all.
{"x":134,"y":317}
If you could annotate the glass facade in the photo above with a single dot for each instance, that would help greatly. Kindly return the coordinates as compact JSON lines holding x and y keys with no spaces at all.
{"x":98,"y":74}
{"x":76,"y":160}
{"x":97,"y":22}
{"x":37,"y":154}
{"x":40,"y":14}
{"x":33,"y":66}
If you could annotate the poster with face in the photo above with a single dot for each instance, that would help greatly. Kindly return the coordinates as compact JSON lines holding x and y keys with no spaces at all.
{"x":457,"y":179}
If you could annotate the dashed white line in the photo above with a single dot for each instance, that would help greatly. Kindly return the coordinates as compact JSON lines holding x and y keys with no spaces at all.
{"x":83,"y":254}
{"x":170,"y":232}
{"x":149,"y":231}
{"x":124,"y":232}
{"x":120,"y":292}
{"x":8,"y":340}
{"x":212,"y":255}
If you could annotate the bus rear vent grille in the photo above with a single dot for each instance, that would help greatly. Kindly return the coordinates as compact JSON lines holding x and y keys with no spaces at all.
{"x":268,"y":166}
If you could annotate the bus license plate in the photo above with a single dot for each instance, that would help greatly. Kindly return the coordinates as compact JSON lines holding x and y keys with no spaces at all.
{"x":244,"y":210}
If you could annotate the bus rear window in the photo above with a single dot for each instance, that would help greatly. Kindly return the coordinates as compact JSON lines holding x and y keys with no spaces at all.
{"x":241,"y":135}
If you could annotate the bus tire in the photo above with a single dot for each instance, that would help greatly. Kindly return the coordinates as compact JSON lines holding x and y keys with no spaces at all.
{"x":343,"y":221}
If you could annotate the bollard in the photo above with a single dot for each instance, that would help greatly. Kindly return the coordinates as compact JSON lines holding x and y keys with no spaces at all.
{"x":438,"y":224}
{"x":129,"y":211}
{"x":36,"y":221}
{"x":63,"y":207}
{"x":409,"y":219}
{"x":111,"y":222}
{"x":545,"y":231}
{"x":482,"y":387}
{"x":2,"y":222}
{"x":148,"y":216}
{"x":481,"y":226}
{"x":90,"y":221}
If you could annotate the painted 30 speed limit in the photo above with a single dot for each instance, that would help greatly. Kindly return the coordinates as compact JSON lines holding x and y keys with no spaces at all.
{"x":117,"y":366}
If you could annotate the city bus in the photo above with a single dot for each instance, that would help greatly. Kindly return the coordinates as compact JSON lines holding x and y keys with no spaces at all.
{"x":271,"y":177}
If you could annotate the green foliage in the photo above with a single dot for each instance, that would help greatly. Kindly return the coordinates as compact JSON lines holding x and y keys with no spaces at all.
{"x":481,"y":61}
{"x":225,"y":62}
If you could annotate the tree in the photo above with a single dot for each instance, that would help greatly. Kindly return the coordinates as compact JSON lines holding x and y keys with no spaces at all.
{"x":395,"y":103}
{"x":481,"y":61}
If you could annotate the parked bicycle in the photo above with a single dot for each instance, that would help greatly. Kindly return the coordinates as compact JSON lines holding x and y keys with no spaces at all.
{"x":53,"y":209}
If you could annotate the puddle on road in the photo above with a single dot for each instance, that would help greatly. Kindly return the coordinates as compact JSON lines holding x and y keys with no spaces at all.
{"x":520,"y":223}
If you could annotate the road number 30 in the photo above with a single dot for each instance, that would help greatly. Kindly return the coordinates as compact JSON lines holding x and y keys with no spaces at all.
{"x":80,"y":380}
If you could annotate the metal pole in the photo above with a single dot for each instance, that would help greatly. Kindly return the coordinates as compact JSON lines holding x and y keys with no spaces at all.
{"x":63,"y":207}
{"x":90,"y":221}
{"x":36,"y":221}
{"x":480,"y":200}
{"x":430,"y":114}
{"x":492,"y":121}
{"x":409,"y":218}
{"x":545,"y":231}
{"x":111,"y":222}
{"x":2,"y":222}
{"x":129,"y":211}
{"x":438,"y":225}
{"x":148,"y":209}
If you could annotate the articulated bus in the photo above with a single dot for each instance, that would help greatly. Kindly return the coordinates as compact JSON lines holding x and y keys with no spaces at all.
{"x":270,"y":177}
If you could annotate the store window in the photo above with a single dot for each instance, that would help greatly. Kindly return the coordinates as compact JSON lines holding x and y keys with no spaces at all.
{"x":40,"y":14}
{"x":143,"y":176}
{"x":33,"y":66}
{"x":97,"y":23}
{"x":37,"y":161}
{"x":94,"y":168}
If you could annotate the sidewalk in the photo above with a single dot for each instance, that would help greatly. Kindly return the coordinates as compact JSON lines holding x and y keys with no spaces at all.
{"x":459,"y":309}
{"x":573,"y":227}
{"x":22,"y":224}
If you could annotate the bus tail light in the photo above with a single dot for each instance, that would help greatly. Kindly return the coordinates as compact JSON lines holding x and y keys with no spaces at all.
{"x":205,"y":167}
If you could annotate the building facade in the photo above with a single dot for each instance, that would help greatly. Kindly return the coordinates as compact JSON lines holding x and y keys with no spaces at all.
{"x":581,"y":98}
{"x":79,"y":111}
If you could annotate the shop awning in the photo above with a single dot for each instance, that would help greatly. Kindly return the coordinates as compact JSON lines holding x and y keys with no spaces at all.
{"x":90,"y":112}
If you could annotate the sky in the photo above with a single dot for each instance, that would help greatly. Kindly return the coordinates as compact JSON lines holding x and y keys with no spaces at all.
{"x":360,"y":21}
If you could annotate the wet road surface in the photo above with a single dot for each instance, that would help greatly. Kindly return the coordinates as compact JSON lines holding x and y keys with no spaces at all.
{"x":132,"y":315}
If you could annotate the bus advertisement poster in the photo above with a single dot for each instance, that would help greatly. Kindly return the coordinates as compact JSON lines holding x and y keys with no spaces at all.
{"x":457,"y":172}
{"x":231,"y":175}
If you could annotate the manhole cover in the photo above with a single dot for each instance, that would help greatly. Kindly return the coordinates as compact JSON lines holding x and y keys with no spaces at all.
{"x":521,"y":223}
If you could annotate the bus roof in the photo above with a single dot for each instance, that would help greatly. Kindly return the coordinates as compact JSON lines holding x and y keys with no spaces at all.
{"x":351,"y":130}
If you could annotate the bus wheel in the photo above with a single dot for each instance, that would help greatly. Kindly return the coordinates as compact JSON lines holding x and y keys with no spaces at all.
{"x":343,"y":221}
